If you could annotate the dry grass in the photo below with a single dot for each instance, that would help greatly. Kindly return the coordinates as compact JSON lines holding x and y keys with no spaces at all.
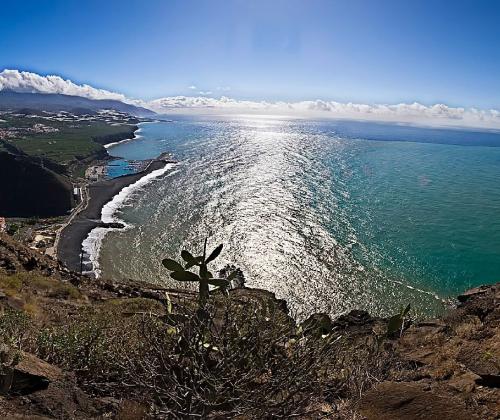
{"x":135,"y":305}
{"x":31,"y":308}
{"x":232,"y":360}
{"x":21,"y":284}
{"x":11,"y":285}
{"x":237,"y":358}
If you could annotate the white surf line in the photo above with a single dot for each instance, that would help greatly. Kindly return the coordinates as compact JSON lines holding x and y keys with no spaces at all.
{"x":136,"y":136}
{"x":91,"y":245}
{"x":434,"y":295}
{"x":116,"y":143}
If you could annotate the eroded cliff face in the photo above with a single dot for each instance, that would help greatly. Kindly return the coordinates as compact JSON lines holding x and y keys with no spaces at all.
{"x":29,"y":189}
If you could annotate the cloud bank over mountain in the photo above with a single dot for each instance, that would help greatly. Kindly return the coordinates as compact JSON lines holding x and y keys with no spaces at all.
{"x":438,"y":114}
{"x":23,"y":81}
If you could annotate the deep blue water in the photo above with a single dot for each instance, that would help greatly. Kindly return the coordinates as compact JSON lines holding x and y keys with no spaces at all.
{"x":330,"y":215}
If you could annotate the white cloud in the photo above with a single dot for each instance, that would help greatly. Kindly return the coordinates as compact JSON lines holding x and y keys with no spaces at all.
{"x":438,"y":114}
{"x":192,"y":87}
{"x":208,"y":92}
{"x":23,"y":81}
{"x":224,"y":88}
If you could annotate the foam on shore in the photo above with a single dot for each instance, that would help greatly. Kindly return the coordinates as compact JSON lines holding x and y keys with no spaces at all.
{"x":136,"y":136}
{"x":136,"y":133}
{"x":91,"y":246}
{"x":108,"y":213}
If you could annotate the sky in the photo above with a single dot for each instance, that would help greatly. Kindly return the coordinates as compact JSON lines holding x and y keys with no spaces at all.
{"x":361,"y":51}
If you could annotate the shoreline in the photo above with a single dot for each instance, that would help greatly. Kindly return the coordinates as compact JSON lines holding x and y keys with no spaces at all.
{"x":98,"y":194}
{"x":134,"y":137}
{"x":69,"y":246}
{"x":87,"y":215}
{"x":91,"y":246}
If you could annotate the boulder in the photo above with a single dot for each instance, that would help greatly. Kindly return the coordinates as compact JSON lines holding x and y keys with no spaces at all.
{"x":317,"y":324}
{"x":465,"y":383}
{"x":32,"y":374}
{"x":403,"y":401}
{"x":482,"y":362}
{"x":355,"y":321}
{"x":473,"y":293}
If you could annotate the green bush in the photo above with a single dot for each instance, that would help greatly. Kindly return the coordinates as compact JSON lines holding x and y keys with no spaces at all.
{"x":396,"y":323}
{"x":15,"y":327}
{"x":12,"y":228}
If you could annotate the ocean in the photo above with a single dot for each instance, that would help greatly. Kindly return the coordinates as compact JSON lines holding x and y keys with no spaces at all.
{"x":329,"y":215}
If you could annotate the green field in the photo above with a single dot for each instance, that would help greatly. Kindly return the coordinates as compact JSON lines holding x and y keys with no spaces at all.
{"x":73,"y":142}
{"x":69,"y":143}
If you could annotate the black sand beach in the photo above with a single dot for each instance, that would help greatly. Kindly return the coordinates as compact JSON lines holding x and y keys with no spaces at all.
{"x":71,"y":237}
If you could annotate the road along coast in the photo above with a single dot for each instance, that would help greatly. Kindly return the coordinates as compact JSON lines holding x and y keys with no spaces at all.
{"x":88,"y":216}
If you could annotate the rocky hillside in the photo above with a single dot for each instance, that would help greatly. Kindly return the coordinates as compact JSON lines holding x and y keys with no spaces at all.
{"x":76,"y":348}
{"x":32,"y":189}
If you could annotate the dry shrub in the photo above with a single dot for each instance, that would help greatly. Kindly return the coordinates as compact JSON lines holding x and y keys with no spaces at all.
{"x":232,"y":359}
{"x":19,"y":284}
{"x":15,"y":328}
{"x":11,"y":285}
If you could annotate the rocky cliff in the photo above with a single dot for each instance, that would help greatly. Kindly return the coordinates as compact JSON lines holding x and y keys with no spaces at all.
{"x":445,"y":368}
{"x":127,"y":133}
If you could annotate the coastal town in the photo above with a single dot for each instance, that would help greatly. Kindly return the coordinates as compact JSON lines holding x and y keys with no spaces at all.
{"x":63,"y":142}
{"x":89,"y":194}
{"x":15,"y":132}
{"x":14,"y":124}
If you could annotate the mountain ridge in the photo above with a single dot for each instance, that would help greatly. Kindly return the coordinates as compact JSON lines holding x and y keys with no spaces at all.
{"x":12,"y":100}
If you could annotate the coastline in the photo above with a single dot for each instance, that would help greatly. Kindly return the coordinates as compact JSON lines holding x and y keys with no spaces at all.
{"x":461,"y":343}
{"x":74,"y":245}
{"x":99,"y":194}
{"x":135,"y":135}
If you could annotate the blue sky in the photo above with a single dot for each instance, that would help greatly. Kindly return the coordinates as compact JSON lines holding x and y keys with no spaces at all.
{"x":362,"y":51}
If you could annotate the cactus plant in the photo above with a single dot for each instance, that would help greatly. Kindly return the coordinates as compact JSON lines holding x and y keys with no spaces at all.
{"x":396,"y":323}
{"x":204,"y":277}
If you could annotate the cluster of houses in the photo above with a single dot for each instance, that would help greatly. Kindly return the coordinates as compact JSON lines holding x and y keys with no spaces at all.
{"x":106,"y":115}
{"x":109,"y":116}
{"x":40,"y":240}
{"x":95,"y":173}
{"x":16,"y":132}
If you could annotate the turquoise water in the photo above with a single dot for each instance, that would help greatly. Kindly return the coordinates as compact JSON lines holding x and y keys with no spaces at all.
{"x":329,"y":215}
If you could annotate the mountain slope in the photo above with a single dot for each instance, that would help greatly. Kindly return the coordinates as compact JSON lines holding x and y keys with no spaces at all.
{"x":82,"y":342}
{"x":32,"y":190}
{"x":10,"y":100}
